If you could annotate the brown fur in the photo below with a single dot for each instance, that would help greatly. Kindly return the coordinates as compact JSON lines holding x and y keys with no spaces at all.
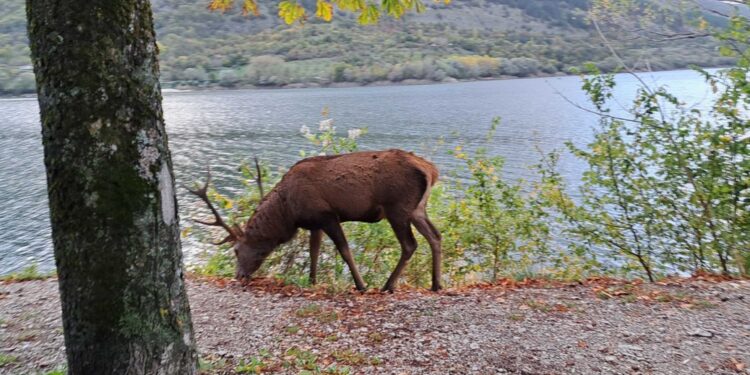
{"x":319,"y":193}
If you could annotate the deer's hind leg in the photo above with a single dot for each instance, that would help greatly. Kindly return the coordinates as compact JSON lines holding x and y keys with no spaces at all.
{"x":316,"y":236}
{"x":402,"y":228}
{"x":428,"y":230}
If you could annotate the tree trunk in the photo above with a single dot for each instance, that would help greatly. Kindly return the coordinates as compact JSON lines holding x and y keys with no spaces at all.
{"x":111,"y":189}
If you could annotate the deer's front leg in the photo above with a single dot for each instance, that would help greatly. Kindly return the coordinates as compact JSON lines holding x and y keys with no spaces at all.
{"x":316,"y":235}
{"x":334,"y":231}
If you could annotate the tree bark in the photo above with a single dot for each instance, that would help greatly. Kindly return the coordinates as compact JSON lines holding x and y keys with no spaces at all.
{"x":111,"y":189}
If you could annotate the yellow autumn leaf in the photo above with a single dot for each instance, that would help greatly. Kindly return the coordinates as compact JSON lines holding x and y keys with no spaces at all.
{"x":250,"y":6}
{"x":291,"y":11}
{"x":394,"y":8}
{"x":351,"y":5}
{"x":703,"y":25}
{"x":369,"y":15}
{"x":221,"y":5}
{"x":324,"y":10}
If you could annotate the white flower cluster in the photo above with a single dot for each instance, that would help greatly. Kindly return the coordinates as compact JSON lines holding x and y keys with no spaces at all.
{"x":305,"y":130}
{"x":355,"y":133}
{"x":326,"y":125}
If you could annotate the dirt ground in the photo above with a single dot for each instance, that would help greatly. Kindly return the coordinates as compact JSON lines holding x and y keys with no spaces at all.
{"x":685,"y":326}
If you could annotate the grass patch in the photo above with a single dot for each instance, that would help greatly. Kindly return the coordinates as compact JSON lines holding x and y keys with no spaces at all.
{"x":349,"y":357}
{"x":219,"y":264}
{"x":61,"y":370}
{"x":292,"y":330}
{"x":208,"y":364}
{"x":516,"y":317}
{"x":308,"y":311}
{"x":6,"y":359}
{"x":702,"y":304}
{"x":376,"y":337}
{"x":27,"y":274}
{"x":321,"y":314}
{"x":332,"y":338}
{"x":253,"y":365}
{"x":539,"y":306}
{"x":301,"y":359}
{"x":336,"y":370}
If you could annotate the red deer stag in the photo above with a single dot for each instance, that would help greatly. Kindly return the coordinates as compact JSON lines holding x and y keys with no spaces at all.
{"x":319,"y":193}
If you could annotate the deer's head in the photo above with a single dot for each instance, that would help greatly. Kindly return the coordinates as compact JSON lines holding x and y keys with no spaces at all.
{"x":250,"y":251}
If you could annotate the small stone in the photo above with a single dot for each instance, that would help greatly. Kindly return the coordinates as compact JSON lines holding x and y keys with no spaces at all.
{"x":610,"y":358}
{"x":627,"y":347}
{"x":700,"y":332}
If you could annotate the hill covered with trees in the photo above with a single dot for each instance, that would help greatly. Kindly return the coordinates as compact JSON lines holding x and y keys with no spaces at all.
{"x":464,"y":40}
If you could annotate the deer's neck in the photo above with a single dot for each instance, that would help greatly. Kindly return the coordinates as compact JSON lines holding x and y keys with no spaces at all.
{"x":271,"y":221}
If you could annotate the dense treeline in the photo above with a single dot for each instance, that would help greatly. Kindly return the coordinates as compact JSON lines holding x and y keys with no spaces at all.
{"x":466,"y":40}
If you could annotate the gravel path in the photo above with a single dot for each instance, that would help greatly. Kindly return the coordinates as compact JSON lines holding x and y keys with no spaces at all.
{"x":598,"y":327}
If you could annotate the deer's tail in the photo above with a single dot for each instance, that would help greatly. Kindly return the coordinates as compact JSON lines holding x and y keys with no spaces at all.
{"x":429,"y":170}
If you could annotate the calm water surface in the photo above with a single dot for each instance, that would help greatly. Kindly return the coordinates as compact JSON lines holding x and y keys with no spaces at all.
{"x":222,"y":129}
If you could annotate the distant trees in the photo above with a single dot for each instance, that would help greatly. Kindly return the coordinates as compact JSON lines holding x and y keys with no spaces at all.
{"x":199,"y":48}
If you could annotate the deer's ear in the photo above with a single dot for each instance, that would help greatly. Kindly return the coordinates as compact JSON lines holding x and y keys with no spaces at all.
{"x":237,"y":232}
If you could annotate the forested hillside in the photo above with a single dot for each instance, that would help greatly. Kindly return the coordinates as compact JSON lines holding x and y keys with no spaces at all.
{"x":464,"y":40}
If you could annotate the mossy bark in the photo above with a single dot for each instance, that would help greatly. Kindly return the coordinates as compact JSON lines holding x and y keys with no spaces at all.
{"x":111,"y":188}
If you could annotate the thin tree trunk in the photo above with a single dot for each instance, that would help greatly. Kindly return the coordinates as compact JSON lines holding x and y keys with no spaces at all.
{"x":111,"y":189}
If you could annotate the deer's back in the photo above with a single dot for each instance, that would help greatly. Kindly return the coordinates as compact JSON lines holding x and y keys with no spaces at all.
{"x":360,"y":186}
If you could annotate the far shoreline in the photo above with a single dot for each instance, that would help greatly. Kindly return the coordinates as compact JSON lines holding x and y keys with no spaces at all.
{"x":340,"y":85}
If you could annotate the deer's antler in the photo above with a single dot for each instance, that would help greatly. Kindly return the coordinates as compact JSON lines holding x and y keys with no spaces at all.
{"x":259,"y":177}
{"x":234,"y":231}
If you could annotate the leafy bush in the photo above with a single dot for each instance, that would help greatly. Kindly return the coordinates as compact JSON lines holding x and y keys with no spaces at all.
{"x":668,"y":188}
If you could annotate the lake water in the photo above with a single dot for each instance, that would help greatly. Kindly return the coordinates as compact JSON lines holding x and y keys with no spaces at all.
{"x":224,"y":128}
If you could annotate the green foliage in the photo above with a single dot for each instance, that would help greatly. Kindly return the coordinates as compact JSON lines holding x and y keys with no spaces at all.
{"x":252,"y":365}
{"x":219,"y":263}
{"x":349,"y":357}
{"x":668,"y":188}
{"x":29,"y":273}
{"x":62,"y":370}
{"x":6,"y":359}
{"x":490,"y":224}
{"x":301,"y":360}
